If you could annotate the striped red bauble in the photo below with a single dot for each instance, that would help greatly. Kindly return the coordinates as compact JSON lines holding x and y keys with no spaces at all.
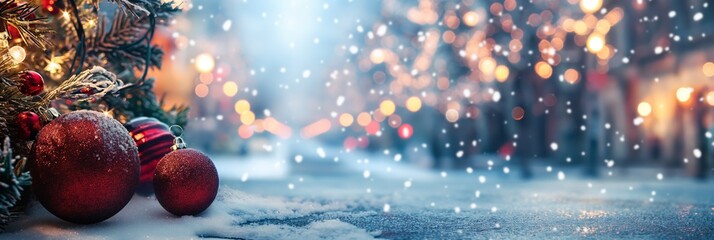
{"x":154,"y":140}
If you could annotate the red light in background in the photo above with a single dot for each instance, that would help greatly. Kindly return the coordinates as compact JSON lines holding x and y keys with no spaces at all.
{"x":406,"y":131}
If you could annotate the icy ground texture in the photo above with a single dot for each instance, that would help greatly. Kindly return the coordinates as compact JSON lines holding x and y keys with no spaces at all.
{"x":454,"y":205}
{"x":236,"y":214}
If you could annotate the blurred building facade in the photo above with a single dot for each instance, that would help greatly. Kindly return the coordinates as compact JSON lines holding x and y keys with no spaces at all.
{"x":569,"y":82}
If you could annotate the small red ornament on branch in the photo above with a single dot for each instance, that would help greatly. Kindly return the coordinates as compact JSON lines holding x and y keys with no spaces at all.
{"x":29,"y":124}
{"x":32,"y":83}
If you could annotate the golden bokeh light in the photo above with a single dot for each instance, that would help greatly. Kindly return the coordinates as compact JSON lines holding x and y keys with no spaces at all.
{"x":363,"y":119}
{"x":387,"y":107}
{"x":644,"y":109}
{"x":544,"y":70}
{"x":710,"y":98}
{"x":346,"y":119}
{"x":247,"y":117}
{"x":596,"y":42}
{"x":603,"y":26}
{"x":201,"y":90}
{"x":590,"y":6}
{"x":205,"y":78}
{"x":487,"y":65}
{"x":205,"y":63}
{"x":242,"y":106}
{"x":470,"y":18}
{"x":377,"y":56}
{"x":413,"y":104}
{"x":708,"y":69}
{"x":684,"y":94}
{"x":605,"y":53}
{"x":502,"y":73}
{"x":571,"y":76}
{"x":230,"y":88}
{"x":452,"y":115}
{"x":580,"y":27}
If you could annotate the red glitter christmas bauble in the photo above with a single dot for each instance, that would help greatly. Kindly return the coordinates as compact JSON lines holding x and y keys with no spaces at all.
{"x":29,"y":124}
{"x":186,"y":182}
{"x":84,"y":167}
{"x":154,"y":140}
{"x":32,"y":83}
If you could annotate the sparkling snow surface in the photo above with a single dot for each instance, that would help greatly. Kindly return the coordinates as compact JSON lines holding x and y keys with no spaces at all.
{"x":289,"y":205}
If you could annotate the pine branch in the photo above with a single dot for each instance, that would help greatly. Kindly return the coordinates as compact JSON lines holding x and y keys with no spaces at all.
{"x":89,"y":85}
{"x":33,"y":30}
{"x":125,"y":42}
{"x":11,"y":184}
{"x":8,"y":70}
{"x":140,"y":100}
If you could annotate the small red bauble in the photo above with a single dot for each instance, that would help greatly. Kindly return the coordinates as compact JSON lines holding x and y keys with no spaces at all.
{"x":13,"y":32}
{"x":84,"y":167}
{"x":185,"y":182}
{"x":154,"y":140}
{"x":32,"y":83}
{"x":29,"y":124}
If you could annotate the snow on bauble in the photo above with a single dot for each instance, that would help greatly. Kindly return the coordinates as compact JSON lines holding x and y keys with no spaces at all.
{"x":84,"y":167}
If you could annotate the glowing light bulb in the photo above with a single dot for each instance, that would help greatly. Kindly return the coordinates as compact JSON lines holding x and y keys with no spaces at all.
{"x":596,"y":42}
{"x":377,"y":56}
{"x":644,"y":109}
{"x":590,"y":6}
{"x":470,"y":18}
{"x":17,"y":54}
{"x":205,"y":63}
{"x":684,"y":93}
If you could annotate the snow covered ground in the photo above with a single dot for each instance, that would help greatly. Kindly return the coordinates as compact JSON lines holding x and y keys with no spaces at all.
{"x":265,"y":199}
